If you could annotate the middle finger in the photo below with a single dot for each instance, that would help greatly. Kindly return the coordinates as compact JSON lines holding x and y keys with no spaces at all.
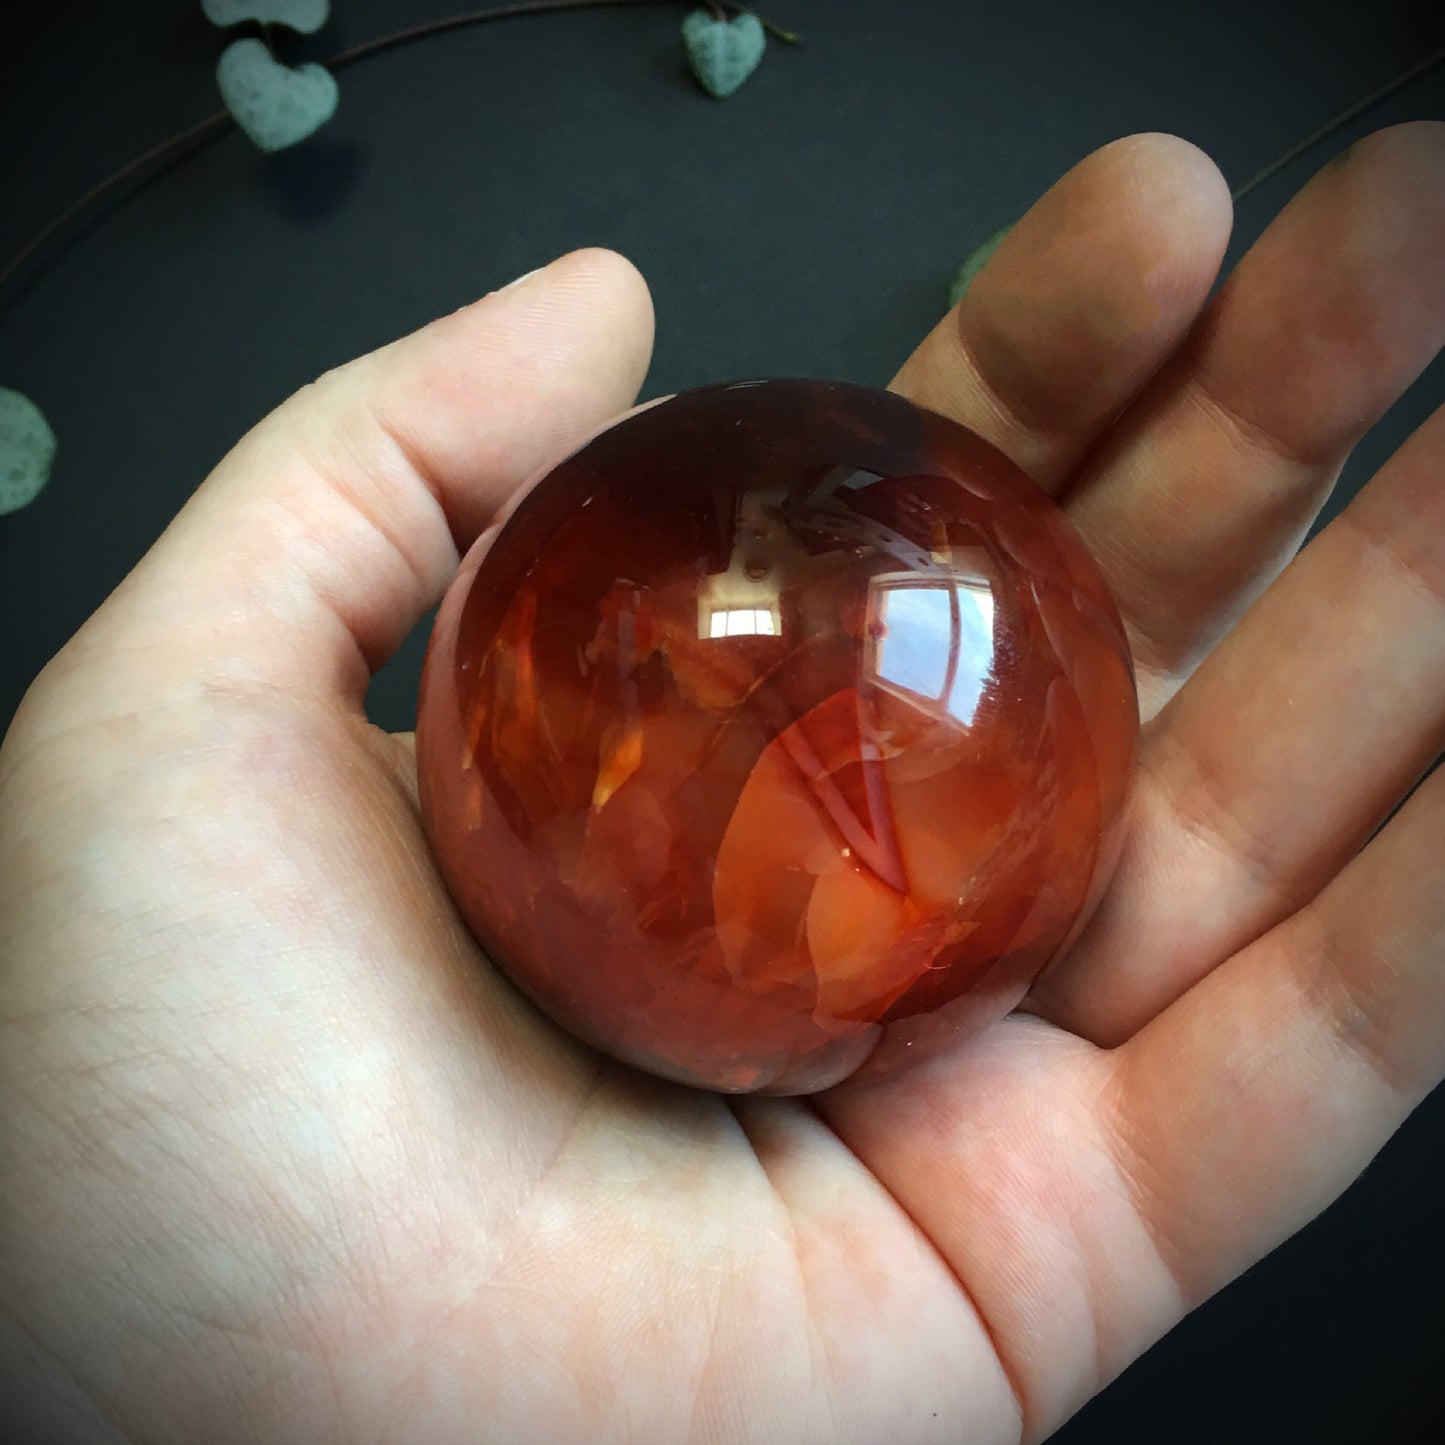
{"x":1206,"y":487}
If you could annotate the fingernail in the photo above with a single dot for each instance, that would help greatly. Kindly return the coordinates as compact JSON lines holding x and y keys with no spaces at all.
{"x":527,"y":276}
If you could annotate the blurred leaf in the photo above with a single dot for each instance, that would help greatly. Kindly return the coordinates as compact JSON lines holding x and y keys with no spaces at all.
{"x":723,"y":53}
{"x":274,"y":104}
{"x":977,"y":260}
{"x":307,"y":16}
{"x":27,"y":450}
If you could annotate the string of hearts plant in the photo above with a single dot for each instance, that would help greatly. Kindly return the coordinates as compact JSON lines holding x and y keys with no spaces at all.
{"x":278,"y":105}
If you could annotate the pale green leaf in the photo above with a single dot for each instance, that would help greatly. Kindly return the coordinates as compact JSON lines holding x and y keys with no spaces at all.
{"x":977,"y":260}
{"x":723,"y":53}
{"x":27,"y":450}
{"x":276,"y":105}
{"x":307,"y":16}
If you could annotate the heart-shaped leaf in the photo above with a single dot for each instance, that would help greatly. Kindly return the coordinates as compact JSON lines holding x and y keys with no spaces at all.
{"x":977,"y":260}
{"x":307,"y":16}
{"x":274,"y":104}
{"x":27,"y":449}
{"x":723,"y":53}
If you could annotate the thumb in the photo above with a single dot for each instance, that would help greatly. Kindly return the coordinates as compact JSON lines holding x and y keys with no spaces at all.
{"x":326,"y":534}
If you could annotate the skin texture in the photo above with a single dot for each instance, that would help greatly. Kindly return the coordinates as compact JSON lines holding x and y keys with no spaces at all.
{"x":281,"y":1158}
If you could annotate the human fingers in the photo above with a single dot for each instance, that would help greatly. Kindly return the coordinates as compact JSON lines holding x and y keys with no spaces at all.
{"x":1279,"y":758}
{"x":1209,"y":482}
{"x":323,"y":537}
{"x":1252,"y":1102}
{"x":1088,"y":293}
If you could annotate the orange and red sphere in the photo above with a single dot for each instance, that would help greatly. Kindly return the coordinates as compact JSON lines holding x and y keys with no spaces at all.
{"x":782,"y":733}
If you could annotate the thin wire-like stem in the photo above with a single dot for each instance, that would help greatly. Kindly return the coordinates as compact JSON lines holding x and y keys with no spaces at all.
{"x":159,"y":158}
{"x":171,"y":149}
{"x":788,"y":37}
{"x":1337,"y":122}
{"x":476,"y":17}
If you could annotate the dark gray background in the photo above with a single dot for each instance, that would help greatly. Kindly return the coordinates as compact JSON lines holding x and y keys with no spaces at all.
{"x":808,"y":225}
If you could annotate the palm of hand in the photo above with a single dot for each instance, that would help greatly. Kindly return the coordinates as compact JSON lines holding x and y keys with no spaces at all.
{"x":279,"y":1129}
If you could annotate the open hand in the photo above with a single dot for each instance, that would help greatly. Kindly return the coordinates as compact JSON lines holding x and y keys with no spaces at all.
{"x":282,"y":1159}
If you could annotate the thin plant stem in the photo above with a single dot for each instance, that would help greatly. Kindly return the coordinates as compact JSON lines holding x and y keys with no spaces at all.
{"x":477,"y":17}
{"x":788,"y":37}
{"x":159,"y":158}
{"x":1336,"y":122}
{"x":172,"y":149}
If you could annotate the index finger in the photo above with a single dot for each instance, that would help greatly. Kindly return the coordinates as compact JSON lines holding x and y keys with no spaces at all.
{"x":1083,"y":299}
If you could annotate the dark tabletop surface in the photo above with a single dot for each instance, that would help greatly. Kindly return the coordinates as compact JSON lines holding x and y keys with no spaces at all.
{"x":808,"y":225}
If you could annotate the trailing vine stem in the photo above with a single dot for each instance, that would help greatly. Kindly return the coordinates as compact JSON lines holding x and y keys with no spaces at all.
{"x":161,"y":157}
{"x":1335,"y":122}
{"x":722,"y":9}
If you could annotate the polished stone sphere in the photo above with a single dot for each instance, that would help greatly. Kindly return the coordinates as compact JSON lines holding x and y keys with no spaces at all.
{"x":780,"y":734}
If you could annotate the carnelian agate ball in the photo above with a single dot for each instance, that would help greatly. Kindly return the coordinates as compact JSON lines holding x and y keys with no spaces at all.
{"x":782,"y":732}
